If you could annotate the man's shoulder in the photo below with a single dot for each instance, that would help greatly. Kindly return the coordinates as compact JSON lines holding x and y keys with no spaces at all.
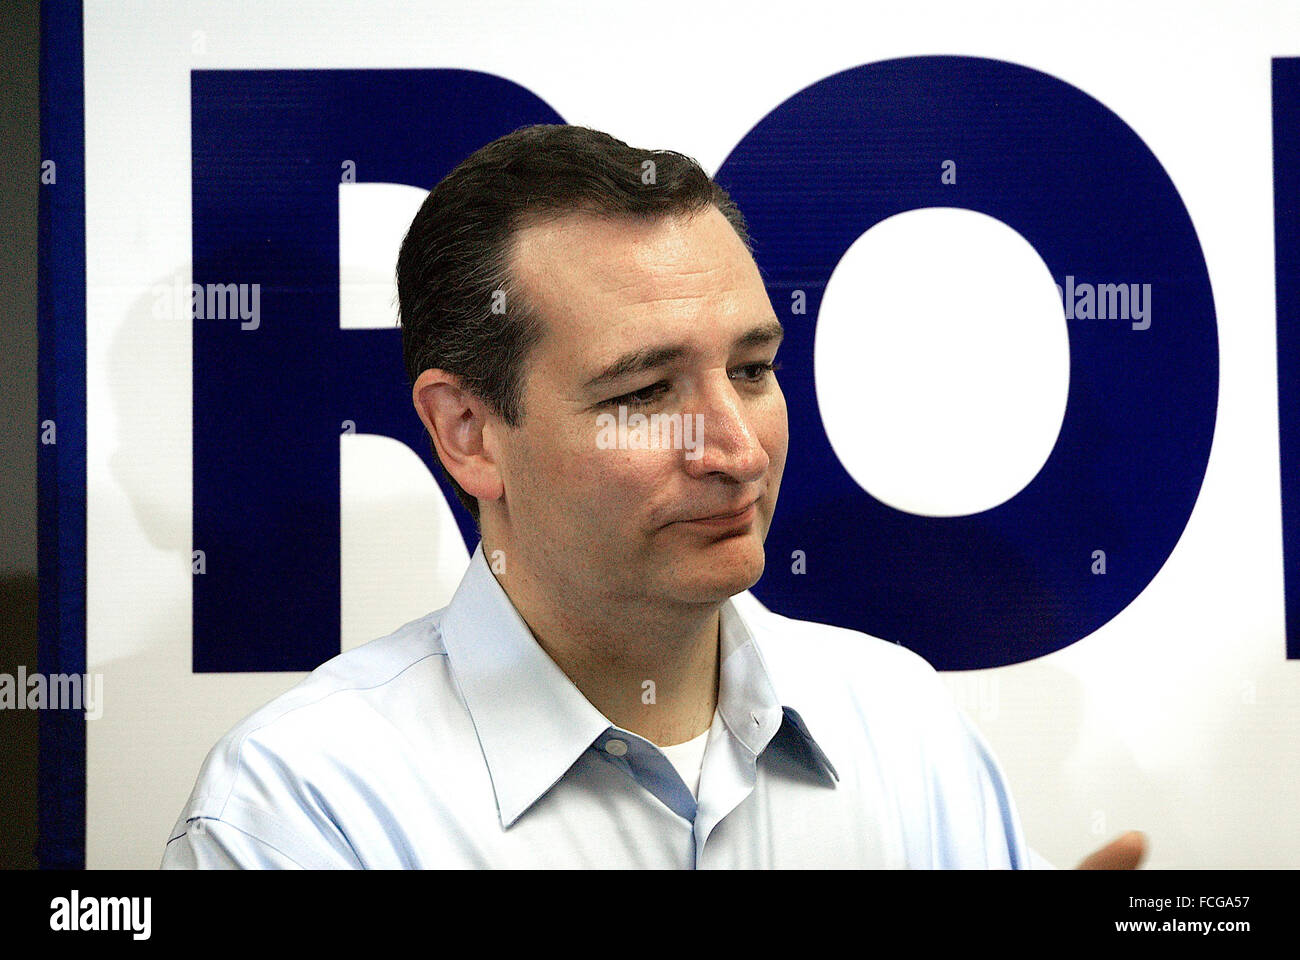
{"x":839,"y":678}
{"x":818,"y":649}
{"x":354,"y":675}
{"x":337,"y":708}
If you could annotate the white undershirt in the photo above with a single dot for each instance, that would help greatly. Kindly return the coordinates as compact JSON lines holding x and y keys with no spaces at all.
{"x":688,"y":758}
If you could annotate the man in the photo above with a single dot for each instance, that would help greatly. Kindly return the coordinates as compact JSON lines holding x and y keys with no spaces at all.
{"x":601,"y":691}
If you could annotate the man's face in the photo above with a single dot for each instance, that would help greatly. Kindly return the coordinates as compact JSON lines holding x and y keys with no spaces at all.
{"x":666,"y":317}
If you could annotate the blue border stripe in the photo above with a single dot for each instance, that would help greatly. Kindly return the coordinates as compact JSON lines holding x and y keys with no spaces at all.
{"x":61,"y":466}
{"x":1286,"y":239}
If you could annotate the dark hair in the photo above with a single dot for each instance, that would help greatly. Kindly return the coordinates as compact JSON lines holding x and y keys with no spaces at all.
{"x":453,"y":270}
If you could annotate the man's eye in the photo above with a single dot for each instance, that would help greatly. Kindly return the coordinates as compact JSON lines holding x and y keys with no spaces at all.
{"x":750,"y":373}
{"x":757,"y":371}
{"x":639,"y":398}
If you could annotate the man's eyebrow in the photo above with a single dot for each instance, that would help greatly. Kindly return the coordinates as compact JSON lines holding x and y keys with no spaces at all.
{"x":763,"y":334}
{"x":647,"y":358}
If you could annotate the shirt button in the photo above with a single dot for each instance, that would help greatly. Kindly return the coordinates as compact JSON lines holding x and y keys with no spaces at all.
{"x":615,"y":748}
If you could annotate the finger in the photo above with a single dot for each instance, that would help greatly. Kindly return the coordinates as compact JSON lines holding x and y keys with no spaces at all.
{"x":1123,"y":853}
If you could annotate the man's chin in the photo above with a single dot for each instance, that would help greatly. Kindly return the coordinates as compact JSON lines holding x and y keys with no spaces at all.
{"x":720,"y":570}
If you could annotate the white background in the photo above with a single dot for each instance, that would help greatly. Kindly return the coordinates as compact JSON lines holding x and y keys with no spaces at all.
{"x":1177,"y":718}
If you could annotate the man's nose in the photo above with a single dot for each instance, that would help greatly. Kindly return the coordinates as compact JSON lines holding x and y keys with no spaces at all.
{"x":725,"y":441}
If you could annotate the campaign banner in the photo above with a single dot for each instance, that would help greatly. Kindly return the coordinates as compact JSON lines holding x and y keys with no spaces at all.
{"x":1039,"y":272}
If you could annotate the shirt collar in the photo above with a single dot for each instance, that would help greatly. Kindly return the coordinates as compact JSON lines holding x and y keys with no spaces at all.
{"x":533,"y":723}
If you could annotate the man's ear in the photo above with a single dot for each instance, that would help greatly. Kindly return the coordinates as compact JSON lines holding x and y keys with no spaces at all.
{"x":456,"y":420}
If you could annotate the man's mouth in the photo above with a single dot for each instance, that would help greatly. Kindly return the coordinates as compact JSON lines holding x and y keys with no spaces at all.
{"x":740,"y":516}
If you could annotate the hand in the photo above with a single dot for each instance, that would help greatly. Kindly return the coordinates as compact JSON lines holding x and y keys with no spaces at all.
{"x":1125,"y":852}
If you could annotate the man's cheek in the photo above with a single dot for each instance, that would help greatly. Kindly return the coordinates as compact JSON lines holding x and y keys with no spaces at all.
{"x":625,"y":481}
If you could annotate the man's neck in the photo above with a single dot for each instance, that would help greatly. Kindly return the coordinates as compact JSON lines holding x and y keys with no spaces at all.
{"x":648,"y":668}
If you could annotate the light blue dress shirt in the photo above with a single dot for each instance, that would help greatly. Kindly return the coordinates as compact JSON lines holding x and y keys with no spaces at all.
{"x":457,"y":742}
